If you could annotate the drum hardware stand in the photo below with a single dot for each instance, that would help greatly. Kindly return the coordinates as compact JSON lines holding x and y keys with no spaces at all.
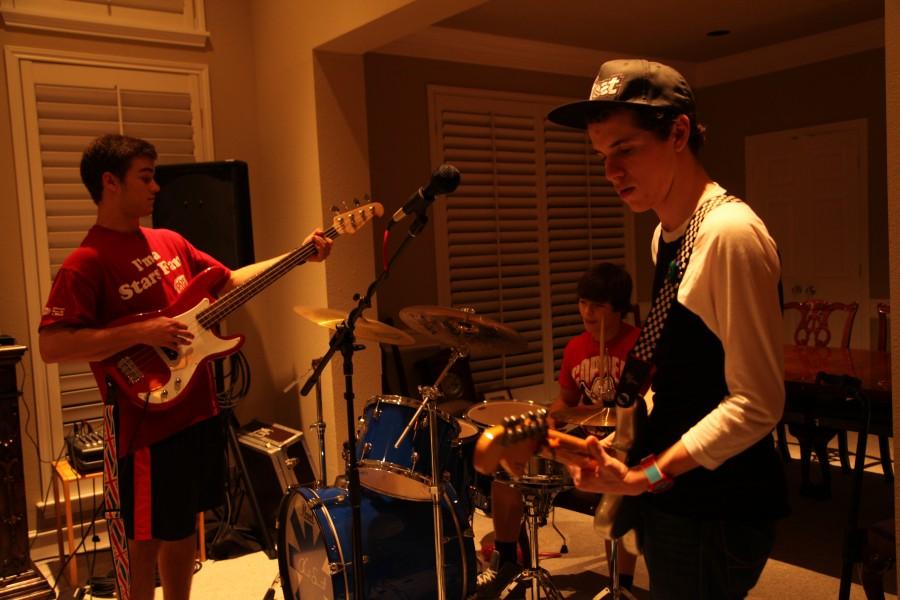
{"x":614,"y":591}
{"x":344,"y":340}
{"x":564,"y":549}
{"x":430,"y":394}
{"x":537,"y":504}
{"x":319,"y":426}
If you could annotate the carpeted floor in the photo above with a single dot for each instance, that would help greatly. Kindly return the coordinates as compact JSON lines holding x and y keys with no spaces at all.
{"x":805,"y":563}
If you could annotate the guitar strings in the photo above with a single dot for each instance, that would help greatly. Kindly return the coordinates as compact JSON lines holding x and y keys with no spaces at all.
{"x":147,"y":356}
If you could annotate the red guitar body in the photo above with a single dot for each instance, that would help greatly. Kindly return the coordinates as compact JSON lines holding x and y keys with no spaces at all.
{"x":160,"y":377}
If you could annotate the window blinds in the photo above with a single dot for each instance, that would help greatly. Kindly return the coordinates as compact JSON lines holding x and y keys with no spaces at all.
{"x":533,"y":211}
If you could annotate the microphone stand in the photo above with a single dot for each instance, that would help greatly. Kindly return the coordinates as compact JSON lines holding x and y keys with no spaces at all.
{"x":345,"y":340}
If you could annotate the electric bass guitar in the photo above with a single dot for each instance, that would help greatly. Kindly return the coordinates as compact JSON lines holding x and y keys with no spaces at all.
{"x":511,"y":444}
{"x":158,"y":377}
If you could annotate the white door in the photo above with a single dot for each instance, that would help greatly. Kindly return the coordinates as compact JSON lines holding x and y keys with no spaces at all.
{"x":809,"y":187}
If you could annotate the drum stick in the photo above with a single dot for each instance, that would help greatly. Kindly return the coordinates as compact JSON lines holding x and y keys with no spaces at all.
{"x":602,"y":346}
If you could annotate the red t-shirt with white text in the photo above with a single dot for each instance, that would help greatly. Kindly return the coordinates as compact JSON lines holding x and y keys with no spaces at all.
{"x":113,"y":274}
{"x":582,"y":370}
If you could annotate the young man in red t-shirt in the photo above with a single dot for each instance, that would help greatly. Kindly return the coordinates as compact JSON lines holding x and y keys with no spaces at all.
{"x":585,"y":376}
{"x":170,"y":462}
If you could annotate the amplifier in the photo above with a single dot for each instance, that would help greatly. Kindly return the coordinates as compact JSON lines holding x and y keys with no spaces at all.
{"x":85,"y":450}
{"x":277,"y":458}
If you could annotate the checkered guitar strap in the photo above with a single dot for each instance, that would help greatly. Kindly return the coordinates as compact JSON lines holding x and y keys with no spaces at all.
{"x":115,"y":525}
{"x":617,"y":517}
{"x":636,"y":371}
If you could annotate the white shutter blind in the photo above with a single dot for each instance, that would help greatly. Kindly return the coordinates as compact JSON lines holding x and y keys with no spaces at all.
{"x":171,"y":6}
{"x":585,"y":222}
{"x":492,"y":229}
{"x":531,"y":214}
{"x":68,"y":117}
{"x":181,"y":22}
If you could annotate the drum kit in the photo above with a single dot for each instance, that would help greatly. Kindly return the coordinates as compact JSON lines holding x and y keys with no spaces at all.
{"x":400,"y":444}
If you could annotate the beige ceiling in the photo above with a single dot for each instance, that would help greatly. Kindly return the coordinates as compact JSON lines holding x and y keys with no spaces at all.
{"x":666,"y":29}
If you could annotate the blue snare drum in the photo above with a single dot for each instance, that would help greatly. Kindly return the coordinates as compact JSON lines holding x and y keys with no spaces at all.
{"x":315,"y":546}
{"x":403,"y":472}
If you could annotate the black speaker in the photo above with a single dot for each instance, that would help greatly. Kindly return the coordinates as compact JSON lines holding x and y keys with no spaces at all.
{"x":209,"y":204}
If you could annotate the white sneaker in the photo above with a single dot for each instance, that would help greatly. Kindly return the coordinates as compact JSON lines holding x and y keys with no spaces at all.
{"x":493,"y":579}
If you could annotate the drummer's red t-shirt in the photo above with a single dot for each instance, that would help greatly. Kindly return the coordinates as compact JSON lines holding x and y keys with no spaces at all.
{"x":582,"y":368}
{"x":113,"y":274}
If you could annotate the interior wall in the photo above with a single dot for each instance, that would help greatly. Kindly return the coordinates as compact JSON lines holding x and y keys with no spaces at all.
{"x":229,"y":58}
{"x":849,"y":87}
{"x":312,"y":127}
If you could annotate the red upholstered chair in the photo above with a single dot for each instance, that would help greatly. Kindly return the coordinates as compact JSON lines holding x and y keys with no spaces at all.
{"x":816,"y":320}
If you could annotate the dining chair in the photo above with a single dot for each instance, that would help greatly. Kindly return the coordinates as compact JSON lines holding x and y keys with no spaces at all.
{"x":814,"y":327}
{"x":884,"y":444}
{"x":884,"y":310}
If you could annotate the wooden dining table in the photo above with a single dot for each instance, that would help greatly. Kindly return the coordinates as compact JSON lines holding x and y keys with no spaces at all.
{"x":871,"y":367}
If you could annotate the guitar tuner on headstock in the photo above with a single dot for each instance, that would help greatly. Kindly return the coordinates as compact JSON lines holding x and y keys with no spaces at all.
{"x":530,"y":425}
{"x":334,"y":209}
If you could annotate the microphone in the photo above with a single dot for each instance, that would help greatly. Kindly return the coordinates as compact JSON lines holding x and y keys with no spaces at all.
{"x":444,"y":180}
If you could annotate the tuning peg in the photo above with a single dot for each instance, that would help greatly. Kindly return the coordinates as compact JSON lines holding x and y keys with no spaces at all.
{"x":344,"y":204}
{"x":334,"y":209}
{"x":356,"y":202}
{"x":366,"y":197}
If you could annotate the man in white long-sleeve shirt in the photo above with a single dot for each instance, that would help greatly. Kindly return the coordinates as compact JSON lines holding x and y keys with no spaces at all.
{"x":712,"y":484}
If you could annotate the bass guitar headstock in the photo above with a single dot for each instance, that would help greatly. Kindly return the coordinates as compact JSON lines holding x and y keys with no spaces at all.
{"x":353,"y":220}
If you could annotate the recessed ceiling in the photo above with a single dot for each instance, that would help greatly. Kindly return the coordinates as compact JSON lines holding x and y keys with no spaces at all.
{"x":665,"y":29}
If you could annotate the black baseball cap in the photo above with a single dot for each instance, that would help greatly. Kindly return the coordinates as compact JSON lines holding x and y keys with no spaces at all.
{"x":629,"y":82}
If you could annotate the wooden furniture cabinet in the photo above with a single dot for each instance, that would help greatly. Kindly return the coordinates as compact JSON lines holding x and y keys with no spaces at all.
{"x":19,"y":578}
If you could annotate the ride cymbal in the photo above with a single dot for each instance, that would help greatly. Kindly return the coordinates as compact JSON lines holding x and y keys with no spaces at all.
{"x":463,"y":329}
{"x":366,"y":329}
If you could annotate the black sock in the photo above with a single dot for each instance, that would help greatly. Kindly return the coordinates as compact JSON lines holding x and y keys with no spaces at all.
{"x":626,"y":581}
{"x":507,"y":551}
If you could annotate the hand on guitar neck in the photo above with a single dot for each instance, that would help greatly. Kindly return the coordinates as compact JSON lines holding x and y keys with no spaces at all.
{"x":591,"y":462}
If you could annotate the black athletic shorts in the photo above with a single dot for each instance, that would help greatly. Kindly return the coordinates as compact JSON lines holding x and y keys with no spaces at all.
{"x":163,"y":487}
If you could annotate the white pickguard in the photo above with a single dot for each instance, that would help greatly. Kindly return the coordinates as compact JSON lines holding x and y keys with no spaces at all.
{"x":204,"y":344}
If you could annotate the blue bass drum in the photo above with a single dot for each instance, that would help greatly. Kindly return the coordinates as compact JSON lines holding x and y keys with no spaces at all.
{"x":315,"y":546}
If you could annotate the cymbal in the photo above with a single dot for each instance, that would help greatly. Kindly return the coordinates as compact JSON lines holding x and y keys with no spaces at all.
{"x":587,"y":416}
{"x":366,"y":329}
{"x":463,"y":329}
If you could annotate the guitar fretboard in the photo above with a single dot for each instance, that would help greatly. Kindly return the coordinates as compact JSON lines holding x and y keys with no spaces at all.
{"x":236,"y":298}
